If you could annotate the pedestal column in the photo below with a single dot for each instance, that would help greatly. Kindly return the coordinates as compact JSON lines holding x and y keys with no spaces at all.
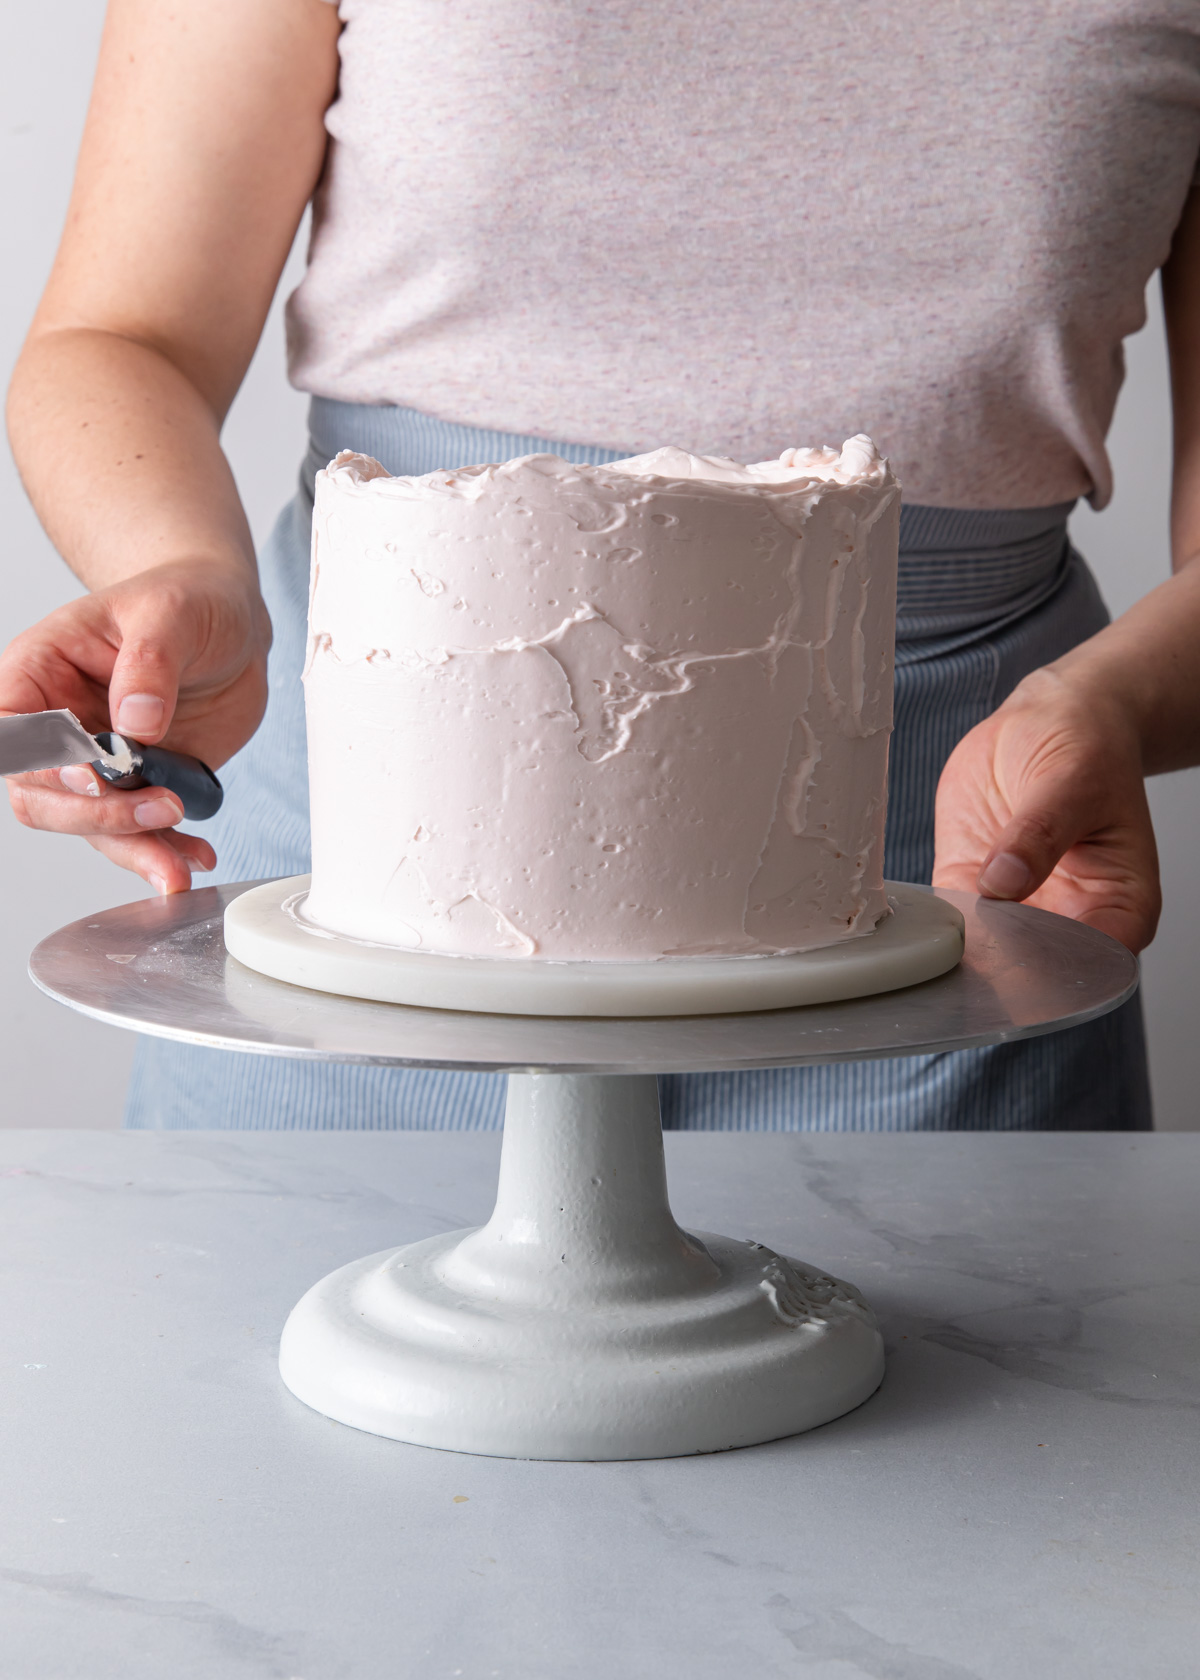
{"x":581,"y":1217}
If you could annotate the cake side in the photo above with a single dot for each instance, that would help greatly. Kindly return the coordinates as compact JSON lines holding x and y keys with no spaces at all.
{"x":608,"y":713}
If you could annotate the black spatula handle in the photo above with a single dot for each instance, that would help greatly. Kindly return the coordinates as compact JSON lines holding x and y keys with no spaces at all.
{"x":186,"y":777}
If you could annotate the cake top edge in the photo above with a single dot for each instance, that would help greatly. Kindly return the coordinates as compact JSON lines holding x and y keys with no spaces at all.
{"x":857,"y":464}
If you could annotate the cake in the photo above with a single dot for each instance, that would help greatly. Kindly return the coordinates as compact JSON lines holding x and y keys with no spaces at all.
{"x":602,"y":713}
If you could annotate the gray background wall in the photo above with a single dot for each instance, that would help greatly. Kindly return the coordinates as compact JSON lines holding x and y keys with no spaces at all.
{"x":62,"y":1070}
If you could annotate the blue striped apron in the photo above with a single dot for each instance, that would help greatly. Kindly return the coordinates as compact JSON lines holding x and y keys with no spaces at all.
{"x":984,"y":598}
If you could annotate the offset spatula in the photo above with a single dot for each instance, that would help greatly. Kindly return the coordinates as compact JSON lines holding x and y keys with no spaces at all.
{"x":50,"y":740}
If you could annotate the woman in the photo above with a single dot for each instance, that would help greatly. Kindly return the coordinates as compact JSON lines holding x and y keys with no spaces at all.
{"x":733,"y":225}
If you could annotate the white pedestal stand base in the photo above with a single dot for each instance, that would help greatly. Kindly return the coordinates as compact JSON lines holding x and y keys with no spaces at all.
{"x":580,"y":1322}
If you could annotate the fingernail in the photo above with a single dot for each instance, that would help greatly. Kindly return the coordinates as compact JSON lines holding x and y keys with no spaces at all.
{"x":1006,"y":876}
{"x":159,"y":884}
{"x":77,"y":778}
{"x":140,"y":714}
{"x":157,"y":813}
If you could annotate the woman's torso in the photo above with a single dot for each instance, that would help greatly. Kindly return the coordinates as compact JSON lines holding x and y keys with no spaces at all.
{"x":742,"y":224}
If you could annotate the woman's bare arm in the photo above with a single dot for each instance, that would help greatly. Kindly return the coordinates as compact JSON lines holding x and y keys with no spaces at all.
{"x":203,"y":143}
{"x":202,"y":147}
{"x":1045,"y":799}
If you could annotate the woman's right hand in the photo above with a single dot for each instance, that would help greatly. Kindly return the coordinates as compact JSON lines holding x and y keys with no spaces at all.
{"x":176,"y":654}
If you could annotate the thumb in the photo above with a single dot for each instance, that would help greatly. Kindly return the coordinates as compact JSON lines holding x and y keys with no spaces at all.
{"x":144,"y":686}
{"x":1039,"y":832}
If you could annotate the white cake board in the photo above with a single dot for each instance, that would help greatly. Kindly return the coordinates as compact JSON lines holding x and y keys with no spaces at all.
{"x":265,"y":929}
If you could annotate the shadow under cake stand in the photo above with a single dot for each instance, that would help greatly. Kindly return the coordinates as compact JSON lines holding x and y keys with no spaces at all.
{"x":581,"y":1322}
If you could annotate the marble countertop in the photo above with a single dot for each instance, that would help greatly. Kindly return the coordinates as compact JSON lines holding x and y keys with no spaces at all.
{"x":1019,"y":1500}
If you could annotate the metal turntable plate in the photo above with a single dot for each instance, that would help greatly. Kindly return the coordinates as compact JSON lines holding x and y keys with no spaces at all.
{"x":159,"y":966}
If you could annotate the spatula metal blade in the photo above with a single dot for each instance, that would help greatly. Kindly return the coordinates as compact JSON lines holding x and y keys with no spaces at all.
{"x":44,"y":741}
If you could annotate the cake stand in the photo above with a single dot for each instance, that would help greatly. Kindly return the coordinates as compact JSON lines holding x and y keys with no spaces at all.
{"x":580,"y":1322}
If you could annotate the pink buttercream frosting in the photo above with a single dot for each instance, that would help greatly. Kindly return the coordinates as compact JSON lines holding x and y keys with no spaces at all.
{"x":622,"y":712}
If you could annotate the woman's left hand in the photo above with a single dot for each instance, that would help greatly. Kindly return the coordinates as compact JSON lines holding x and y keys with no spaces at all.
{"x":1045,"y":801}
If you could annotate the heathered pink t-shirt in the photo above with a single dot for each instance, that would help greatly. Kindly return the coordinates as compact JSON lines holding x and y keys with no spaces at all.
{"x":738,"y":225}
